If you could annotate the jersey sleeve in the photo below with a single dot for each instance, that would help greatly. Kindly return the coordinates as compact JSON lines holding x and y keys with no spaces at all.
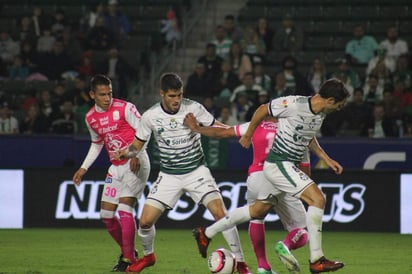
{"x":282,"y":106}
{"x":240,"y":130}
{"x":202,"y":115}
{"x":144,"y":129}
{"x":94,"y":137}
{"x":132,"y":115}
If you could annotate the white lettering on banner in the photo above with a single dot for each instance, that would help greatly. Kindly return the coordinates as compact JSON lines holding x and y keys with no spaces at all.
{"x":374,"y":159}
{"x":11,"y":198}
{"x":345,"y":202}
{"x":406,"y":203}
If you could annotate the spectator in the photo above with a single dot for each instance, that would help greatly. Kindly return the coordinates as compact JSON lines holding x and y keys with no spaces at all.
{"x":394,"y":46}
{"x":381,"y":57}
{"x":226,"y":82}
{"x":265,"y":33}
{"x":8,"y":123}
{"x":117,"y":22}
{"x":100,"y":37}
{"x":212,"y":61}
{"x":55,"y":63}
{"x":18,"y":70}
{"x":46,"y":106}
{"x":170,"y":27}
{"x":344,"y":66}
{"x":25,"y":31}
{"x":240,"y":106}
{"x":404,"y":94}
{"x":263,"y":98}
{"x":46,"y":41}
{"x":355,"y":115}
{"x":233,"y":32}
{"x":59,"y":23}
{"x":226,"y":116}
{"x":344,"y":78}
{"x":383,"y":74}
{"x":86,"y":65}
{"x":209,"y":103}
{"x":392,"y":105}
{"x":249,"y":88}
{"x":294,"y":79}
{"x":288,"y":37}
{"x":221,"y":42}
{"x":199,"y":84}
{"x":29,"y":56}
{"x":72,"y":44}
{"x":316,"y":74}
{"x":239,"y":61}
{"x":96,"y":10}
{"x":8,"y":47}
{"x":34,"y":121}
{"x":253,"y":46}
{"x":40,"y":20}
{"x":30,"y":100}
{"x":372,"y":91}
{"x":362,"y":47}
{"x":80,"y":93}
{"x":261,"y":78}
{"x":59,"y":95}
{"x":119,"y":71}
{"x":280,"y":89}
{"x":379,"y":125}
{"x":64,"y":122}
{"x":402,"y":72}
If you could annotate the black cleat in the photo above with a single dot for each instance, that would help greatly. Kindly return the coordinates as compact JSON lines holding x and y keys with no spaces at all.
{"x":122,"y":263}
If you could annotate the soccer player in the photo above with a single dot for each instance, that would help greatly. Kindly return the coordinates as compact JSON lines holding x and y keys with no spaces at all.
{"x":182,"y":167}
{"x":290,"y":209}
{"x":300,"y":118}
{"x":112,"y":123}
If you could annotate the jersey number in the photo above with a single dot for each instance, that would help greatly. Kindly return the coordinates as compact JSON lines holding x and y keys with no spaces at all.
{"x":110,"y":191}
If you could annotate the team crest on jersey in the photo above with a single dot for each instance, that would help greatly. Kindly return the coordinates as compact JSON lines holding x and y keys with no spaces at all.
{"x":173,"y":123}
{"x":285,"y":103}
{"x":116,"y":115}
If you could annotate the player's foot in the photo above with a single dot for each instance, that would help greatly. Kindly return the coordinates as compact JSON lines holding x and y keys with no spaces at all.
{"x":142,"y":263}
{"x":202,"y":240}
{"x":242,"y":268}
{"x":287,"y":258}
{"x":265,"y":271}
{"x":123,"y":264}
{"x":324,"y":265}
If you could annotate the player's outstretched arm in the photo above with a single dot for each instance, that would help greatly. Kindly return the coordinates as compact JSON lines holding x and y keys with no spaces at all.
{"x":316,"y":148}
{"x":131,"y":152}
{"x":257,"y":117}
{"x":211,"y":131}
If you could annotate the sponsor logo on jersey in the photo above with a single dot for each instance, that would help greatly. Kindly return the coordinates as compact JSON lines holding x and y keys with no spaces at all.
{"x":104,"y":121}
{"x":104,"y":130}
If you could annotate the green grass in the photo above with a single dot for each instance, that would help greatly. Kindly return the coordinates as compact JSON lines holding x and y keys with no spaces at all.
{"x":93,"y":251}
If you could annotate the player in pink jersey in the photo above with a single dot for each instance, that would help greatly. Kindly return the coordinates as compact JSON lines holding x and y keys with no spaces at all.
{"x":112,"y":123}
{"x":290,"y":210}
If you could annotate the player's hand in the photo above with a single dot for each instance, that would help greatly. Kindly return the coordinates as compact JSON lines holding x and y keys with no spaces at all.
{"x":335,"y":166}
{"x":190,"y":121}
{"x":135,"y":164}
{"x":77,"y":177}
{"x":120,"y":155}
{"x":245,"y":141}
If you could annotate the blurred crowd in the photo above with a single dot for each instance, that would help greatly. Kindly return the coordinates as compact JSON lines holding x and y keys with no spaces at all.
{"x":231,"y":78}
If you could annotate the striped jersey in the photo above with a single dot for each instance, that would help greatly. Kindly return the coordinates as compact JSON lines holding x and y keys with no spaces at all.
{"x":180,"y":149}
{"x":297,"y":125}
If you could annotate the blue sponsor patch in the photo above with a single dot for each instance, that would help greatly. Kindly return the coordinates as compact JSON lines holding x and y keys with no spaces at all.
{"x":109,"y":180}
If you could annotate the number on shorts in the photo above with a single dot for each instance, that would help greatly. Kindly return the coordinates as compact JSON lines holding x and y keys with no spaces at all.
{"x":110,"y":191}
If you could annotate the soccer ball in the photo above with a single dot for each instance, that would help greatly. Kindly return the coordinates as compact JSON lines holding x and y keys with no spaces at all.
{"x":222,"y":261}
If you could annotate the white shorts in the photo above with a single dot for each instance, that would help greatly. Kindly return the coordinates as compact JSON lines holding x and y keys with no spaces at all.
{"x":290,"y":210}
{"x":122,"y":182}
{"x":287,"y":177}
{"x":168,"y":188}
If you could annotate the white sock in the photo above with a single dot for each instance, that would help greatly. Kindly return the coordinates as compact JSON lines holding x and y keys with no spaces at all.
{"x":235,"y":217}
{"x":147,"y":236}
{"x":231,"y":236}
{"x":314,"y":225}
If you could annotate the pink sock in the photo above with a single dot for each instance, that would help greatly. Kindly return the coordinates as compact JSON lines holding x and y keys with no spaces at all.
{"x":114,"y":228}
{"x":257,"y":237}
{"x":296,"y":238}
{"x":128,"y":235}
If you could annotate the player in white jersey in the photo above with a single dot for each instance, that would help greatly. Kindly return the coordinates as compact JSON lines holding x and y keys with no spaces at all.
{"x":112,"y":123}
{"x":290,"y":209}
{"x":182,"y":167}
{"x":299,"y":119}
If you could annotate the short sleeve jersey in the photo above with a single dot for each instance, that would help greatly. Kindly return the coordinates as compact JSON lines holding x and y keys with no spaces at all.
{"x":297,"y":125}
{"x":180,"y":149}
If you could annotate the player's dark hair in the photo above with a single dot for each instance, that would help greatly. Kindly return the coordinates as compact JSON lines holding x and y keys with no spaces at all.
{"x":99,"y":80}
{"x":171,"y":81}
{"x":334,"y":88}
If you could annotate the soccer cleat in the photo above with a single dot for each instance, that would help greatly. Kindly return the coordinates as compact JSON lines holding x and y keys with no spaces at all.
{"x":242,"y":268}
{"x":140,"y":264}
{"x":287,"y":258}
{"x":324,"y":265}
{"x":264,"y":271}
{"x":202,"y":240}
{"x":122,"y":264}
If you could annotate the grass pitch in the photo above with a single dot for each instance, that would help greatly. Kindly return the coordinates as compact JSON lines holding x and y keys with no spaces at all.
{"x":91,"y":251}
